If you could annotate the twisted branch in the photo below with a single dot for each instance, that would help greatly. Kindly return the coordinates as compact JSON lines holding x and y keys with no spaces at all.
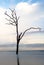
{"x":29,"y":29}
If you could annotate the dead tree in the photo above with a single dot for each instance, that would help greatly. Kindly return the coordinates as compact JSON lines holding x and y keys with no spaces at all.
{"x":13,"y":20}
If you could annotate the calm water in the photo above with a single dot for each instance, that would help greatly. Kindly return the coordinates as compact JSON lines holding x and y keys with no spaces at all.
{"x":24,"y":58}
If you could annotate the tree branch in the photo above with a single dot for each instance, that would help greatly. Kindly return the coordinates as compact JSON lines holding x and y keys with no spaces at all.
{"x":13,"y":18}
{"x":11,"y":24}
{"x":14,"y":21}
{"x":13,"y":14}
{"x":9,"y":20}
{"x":12,"y":10}
{"x":29,"y":29}
{"x":8,"y":15}
{"x":19,"y":36}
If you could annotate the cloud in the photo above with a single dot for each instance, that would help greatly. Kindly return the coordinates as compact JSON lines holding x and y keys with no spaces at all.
{"x":26,"y":8}
{"x":30,"y":14}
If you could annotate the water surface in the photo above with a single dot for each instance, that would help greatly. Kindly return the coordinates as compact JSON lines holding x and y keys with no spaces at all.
{"x":24,"y":58}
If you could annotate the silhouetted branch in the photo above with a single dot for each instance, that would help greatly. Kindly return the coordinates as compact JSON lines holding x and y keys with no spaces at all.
{"x":13,"y":13}
{"x":9,"y":20}
{"x":11,"y":24}
{"x":19,"y":36}
{"x":12,"y":10}
{"x":29,"y":29}
{"x":8,"y":15}
{"x":11,"y":17}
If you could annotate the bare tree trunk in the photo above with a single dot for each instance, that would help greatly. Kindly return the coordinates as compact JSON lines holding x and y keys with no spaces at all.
{"x":17,"y":38}
{"x":17,"y":48}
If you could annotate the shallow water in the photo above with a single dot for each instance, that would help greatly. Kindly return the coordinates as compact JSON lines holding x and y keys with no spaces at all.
{"x":24,"y":58}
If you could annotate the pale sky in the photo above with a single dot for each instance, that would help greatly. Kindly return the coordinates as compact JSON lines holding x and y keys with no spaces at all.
{"x":31,"y":14}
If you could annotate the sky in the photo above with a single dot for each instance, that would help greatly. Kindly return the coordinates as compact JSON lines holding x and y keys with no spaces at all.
{"x":31,"y":14}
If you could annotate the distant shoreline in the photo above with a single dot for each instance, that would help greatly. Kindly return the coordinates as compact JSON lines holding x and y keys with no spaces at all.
{"x":23,"y":51}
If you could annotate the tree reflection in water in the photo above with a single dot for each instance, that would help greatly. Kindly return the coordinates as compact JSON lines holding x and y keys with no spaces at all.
{"x":18,"y":60}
